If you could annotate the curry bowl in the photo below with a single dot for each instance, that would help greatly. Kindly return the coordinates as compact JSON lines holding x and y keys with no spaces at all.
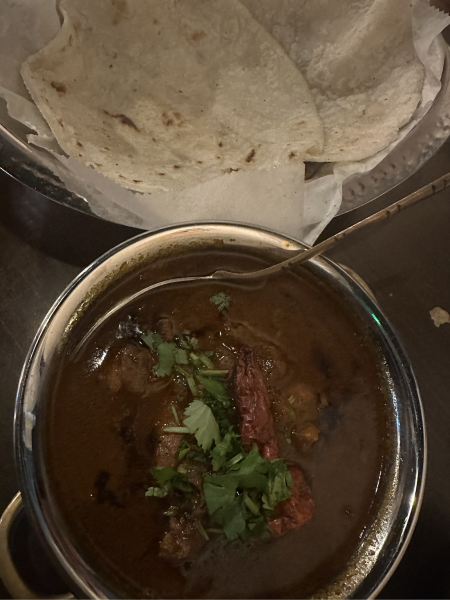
{"x":355,"y":567}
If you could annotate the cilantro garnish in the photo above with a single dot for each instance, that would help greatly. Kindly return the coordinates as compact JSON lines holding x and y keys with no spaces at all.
{"x":221,"y":300}
{"x":166,"y":356}
{"x":226,"y":450}
{"x":216,"y":388}
{"x":168,"y":353}
{"x":201,"y":422}
{"x":152,"y":340}
{"x":243,"y":496}
{"x":170,"y":480}
{"x":244,"y":488}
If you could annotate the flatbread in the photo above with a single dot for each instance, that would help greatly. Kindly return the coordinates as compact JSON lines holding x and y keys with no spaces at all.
{"x":360,"y":62}
{"x":163,"y":94}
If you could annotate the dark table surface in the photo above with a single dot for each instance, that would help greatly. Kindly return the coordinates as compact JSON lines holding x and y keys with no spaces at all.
{"x":405,"y":261}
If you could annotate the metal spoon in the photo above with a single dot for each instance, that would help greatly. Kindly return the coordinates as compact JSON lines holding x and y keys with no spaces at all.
{"x":303,"y":256}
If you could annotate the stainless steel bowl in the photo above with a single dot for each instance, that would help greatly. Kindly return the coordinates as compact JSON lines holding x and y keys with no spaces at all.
{"x":384,"y":540}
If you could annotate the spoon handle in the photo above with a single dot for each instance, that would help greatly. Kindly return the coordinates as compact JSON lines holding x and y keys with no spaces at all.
{"x":422,"y":194}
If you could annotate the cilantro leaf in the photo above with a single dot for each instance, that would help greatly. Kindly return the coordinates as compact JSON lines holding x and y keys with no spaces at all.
{"x":152,"y":340}
{"x":251,"y":471}
{"x":216,"y":388}
{"x":158,"y":492}
{"x":166,"y":356}
{"x":181,"y":356}
{"x":219,"y":490}
{"x":232,"y":519}
{"x":221,"y":300}
{"x":201,"y":422}
{"x":224,"y":506}
{"x":169,"y":481}
{"x":240,"y":499}
{"x":163,"y":474}
{"x":278,"y":486}
{"x":228,"y":448}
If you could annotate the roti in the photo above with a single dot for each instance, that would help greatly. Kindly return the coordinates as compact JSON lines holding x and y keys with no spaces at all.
{"x":164,"y":95}
{"x":360,"y":62}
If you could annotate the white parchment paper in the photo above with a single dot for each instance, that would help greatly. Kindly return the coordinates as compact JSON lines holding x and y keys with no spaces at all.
{"x":277,"y":199}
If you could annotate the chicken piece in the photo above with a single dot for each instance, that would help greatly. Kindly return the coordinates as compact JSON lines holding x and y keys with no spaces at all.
{"x":131,"y":368}
{"x":167,"y":449}
{"x":296,"y":412}
{"x":194,"y":471}
{"x":297,"y":510}
{"x":166,"y":329}
{"x":252,"y":399}
{"x":183,"y":540}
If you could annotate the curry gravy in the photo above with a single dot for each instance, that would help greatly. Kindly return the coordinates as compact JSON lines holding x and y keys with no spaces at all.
{"x":100,"y":437}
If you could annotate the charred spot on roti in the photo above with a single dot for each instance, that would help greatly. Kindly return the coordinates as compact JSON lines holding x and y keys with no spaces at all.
{"x":177,"y":166}
{"x":123,"y":119}
{"x":167,"y":120}
{"x":79,"y":144}
{"x":121,"y":10}
{"x":250,"y":156}
{"x":292,"y":154}
{"x":220,"y":144}
{"x":137,"y":180}
{"x":59,"y":87}
{"x":60,"y":122}
{"x":198,"y":35}
{"x":162,"y":174}
{"x":174,"y":118}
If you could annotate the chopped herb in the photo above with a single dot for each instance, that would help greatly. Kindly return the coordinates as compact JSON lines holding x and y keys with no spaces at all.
{"x":166,"y":355}
{"x":228,"y":448}
{"x":235,"y":459}
{"x":195,"y":359}
{"x":252,"y":506}
{"x":158,"y":492}
{"x":241,"y":498}
{"x":169,"y":480}
{"x":176,"y":429}
{"x":221,"y":300}
{"x":192,"y":341}
{"x":152,"y":340}
{"x":201,"y":422}
{"x":201,"y":530}
{"x":182,"y":453}
{"x":278,"y":486}
{"x":291,"y":399}
{"x":175,"y":414}
{"x":182,"y":371}
{"x":214,"y":372}
{"x":216,"y":388}
{"x":206,"y":361}
{"x":189,"y":380}
{"x":181,"y":356}
{"x":224,"y":505}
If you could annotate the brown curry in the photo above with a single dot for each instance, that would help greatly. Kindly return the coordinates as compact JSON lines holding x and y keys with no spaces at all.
{"x":285,"y":376}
